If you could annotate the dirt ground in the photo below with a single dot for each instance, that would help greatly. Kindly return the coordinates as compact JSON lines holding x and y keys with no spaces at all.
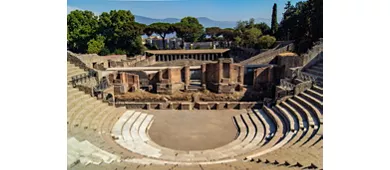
{"x":193,"y":130}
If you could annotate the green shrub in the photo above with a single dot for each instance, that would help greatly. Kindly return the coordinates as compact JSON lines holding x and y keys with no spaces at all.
{"x":119,"y":52}
{"x":105,"y":51}
{"x":95,"y":45}
{"x":266,"y":41}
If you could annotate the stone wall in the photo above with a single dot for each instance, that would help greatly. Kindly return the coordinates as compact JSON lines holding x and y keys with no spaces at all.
{"x":268,"y":56}
{"x":212,"y":73}
{"x":289,"y":61}
{"x":313,"y":55}
{"x":174,"y":75}
{"x":189,"y":105}
{"x":265,"y":78}
{"x":224,"y":76}
{"x":93,"y":60}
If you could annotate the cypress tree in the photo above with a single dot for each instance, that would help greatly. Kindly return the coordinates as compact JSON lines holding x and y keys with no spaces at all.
{"x":274,"y":22}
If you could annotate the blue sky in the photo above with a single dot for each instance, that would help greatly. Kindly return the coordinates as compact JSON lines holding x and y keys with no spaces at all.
{"x":222,"y":10}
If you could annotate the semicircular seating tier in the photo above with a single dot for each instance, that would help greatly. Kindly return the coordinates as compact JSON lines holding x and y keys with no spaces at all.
{"x":287,"y":132}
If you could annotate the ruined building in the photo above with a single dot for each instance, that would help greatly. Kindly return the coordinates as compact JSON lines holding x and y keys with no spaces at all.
{"x":223,"y":76}
{"x":125,"y":82}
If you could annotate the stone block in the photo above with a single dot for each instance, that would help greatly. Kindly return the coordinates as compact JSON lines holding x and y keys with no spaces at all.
{"x":221,"y":105}
{"x":186,"y":106}
{"x":174,"y":106}
{"x":212,"y":106}
{"x":202,"y":106}
{"x":245,"y":105}
{"x":163,"y":106}
{"x":154,"y":105}
{"x":148,"y":106}
{"x":232,"y":105}
{"x":135,"y":105}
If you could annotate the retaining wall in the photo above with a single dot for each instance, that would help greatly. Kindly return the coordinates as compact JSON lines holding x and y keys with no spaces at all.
{"x":188,"y":105}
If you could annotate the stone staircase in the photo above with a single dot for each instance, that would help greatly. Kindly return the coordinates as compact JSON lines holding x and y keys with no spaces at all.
{"x":313,"y":73}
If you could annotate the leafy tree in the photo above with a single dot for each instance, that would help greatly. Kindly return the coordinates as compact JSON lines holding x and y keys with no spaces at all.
{"x":302,"y":23}
{"x":96,"y":45}
{"x":119,"y":51}
{"x":189,"y":29}
{"x":148,"y":31}
{"x":213,"y":32}
{"x":121,"y":31}
{"x":105,"y":51}
{"x":251,"y":37}
{"x":228,"y":35}
{"x":81,"y":27}
{"x":265,"y":29}
{"x":317,"y":19}
{"x":238,"y":41}
{"x":266,"y":41}
{"x":274,"y":21}
{"x":161,"y":29}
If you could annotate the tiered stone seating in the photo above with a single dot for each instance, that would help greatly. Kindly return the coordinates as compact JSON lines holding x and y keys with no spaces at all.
{"x":304,"y":147}
{"x":86,"y":153}
{"x":290,"y":131}
{"x":315,"y":71}
{"x":131,"y":133}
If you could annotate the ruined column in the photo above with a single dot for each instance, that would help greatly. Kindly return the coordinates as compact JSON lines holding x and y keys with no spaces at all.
{"x":169,"y":75}
{"x":186,"y":77}
{"x":203,"y":72}
{"x":220,"y":70}
{"x":241,"y":75}
{"x":160,"y":75}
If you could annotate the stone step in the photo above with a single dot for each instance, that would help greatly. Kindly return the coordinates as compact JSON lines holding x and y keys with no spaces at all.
{"x":280,"y":125}
{"x":318,"y":89}
{"x":317,"y":114}
{"x":315,"y":72}
{"x":301,"y":110}
{"x":302,"y":122}
{"x":312,"y":100}
{"x":283,"y":119}
{"x":315,"y":94}
{"x":294,"y":125}
{"x":319,"y":68}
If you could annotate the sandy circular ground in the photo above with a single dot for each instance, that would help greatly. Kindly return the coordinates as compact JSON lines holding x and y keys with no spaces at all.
{"x":193,"y":130}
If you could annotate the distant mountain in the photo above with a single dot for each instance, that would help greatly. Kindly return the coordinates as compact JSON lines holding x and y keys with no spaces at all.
{"x":147,"y":21}
{"x":206,"y":22}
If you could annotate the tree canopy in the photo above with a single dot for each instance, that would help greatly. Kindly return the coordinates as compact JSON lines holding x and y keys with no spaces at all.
{"x":161,"y":29}
{"x":82,"y":27}
{"x":302,"y":23}
{"x":95,"y":45}
{"x":189,"y":29}
{"x":116,"y":32}
{"x":110,"y":32}
{"x":274,"y":21}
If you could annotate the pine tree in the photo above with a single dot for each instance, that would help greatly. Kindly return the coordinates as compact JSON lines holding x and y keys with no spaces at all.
{"x":274,"y":22}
